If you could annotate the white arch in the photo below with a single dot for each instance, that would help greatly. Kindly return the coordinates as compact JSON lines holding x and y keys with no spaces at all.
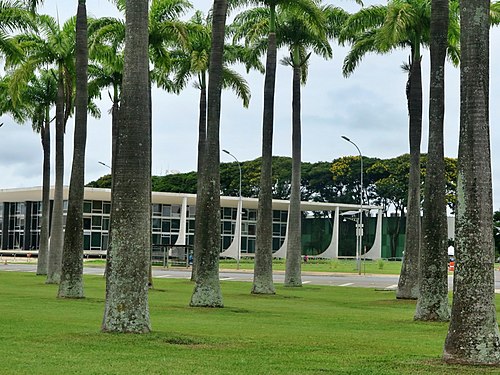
{"x":375,"y":251}
{"x":234,"y":250}
{"x":332,"y":251}
{"x":281,"y":252}
{"x":181,"y":240}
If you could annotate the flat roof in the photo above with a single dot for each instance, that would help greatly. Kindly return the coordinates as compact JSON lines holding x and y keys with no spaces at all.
{"x":35,"y":194}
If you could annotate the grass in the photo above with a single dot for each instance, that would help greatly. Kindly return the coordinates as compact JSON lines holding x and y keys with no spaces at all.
{"x":313,"y":265}
{"x":308,"y":330}
{"x":380,"y":266}
{"x":327,"y":265}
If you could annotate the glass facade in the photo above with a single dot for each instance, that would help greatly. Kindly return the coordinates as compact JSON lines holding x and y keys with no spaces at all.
{"x":24,"y":220}
{"x":173,"y":225}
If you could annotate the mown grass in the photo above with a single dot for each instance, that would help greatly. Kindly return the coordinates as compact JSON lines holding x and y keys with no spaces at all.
{"x":308,"y":330}
{"x":326,"y":265}
{"x":313,"y":265}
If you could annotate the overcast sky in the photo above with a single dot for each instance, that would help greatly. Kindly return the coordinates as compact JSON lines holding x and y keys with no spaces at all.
{"x":369,"y":107}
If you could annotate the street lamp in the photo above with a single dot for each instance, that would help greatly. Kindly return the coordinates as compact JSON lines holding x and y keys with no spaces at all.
{"x":359,"y":226}
{"x":238,"y":215}
{"x":100,"y":162}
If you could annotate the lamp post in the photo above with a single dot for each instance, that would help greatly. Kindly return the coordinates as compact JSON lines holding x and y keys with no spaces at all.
{"x":238,"y":215}
{"x":100,"y":162}
{"x":359,"y":226}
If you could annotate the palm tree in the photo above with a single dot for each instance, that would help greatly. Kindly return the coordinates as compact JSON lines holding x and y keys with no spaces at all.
{"x":71,"y":284}
{"x":107,"y":37}
{"x":473,"y":336}
{"x":250,"y":25}
{"x":207,"y":286}
{"x":126,"y":307}
{"x":106,"y":43}
{"x":300,"y":34}
{"x":192,"y":61}
{"x":34,"y":104}
{"x":381,"y":29}
{"x":13,"y":17}
{"x":52,"y":45}
{"x":433,"y":284}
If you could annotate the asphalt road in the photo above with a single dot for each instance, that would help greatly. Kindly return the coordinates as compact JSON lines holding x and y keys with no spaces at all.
{"x":384,"y":282}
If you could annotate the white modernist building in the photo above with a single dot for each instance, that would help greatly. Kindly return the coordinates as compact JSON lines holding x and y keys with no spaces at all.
{"x":173,"y":216}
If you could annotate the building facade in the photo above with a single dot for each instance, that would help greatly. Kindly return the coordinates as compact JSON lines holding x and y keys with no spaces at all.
{"x":173,"y":223}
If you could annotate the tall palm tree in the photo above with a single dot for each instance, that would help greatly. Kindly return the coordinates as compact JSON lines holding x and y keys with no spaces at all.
{"x":35,"y":101}
{"x":381,"y":29}
{"x":192,"y":61}
{"x":251,"y":25}
{"x":473,"y":335}
{"x":300,"y":34}
{"x":126,"y":306}
{"x":106,"y":43}
{"x":107,"y":37}
{"x":433,"y":284}
{"x":71,"y":284}
{"x":207,"y":290}
{"x":52,"y":45}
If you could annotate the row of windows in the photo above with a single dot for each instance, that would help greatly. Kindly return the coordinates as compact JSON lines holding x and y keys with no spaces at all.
{"x":166,"y":222}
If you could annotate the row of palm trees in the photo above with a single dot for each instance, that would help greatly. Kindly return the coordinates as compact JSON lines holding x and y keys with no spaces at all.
{"x":121,"y":55}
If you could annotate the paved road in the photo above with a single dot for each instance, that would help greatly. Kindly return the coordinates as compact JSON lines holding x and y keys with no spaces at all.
{"x":388,"y":282}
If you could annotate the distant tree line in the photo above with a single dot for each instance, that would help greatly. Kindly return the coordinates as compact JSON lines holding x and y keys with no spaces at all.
{"x":385,"y":181}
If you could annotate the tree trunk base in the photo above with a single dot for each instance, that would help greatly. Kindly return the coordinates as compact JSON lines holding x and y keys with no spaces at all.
{"x":206,"y":296}
{"x":263,"y":289}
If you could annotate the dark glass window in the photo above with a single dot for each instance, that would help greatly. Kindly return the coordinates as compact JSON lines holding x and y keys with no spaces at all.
{"x":86,"y":223}
{"x":96,"y":240}
{"x":87,"y":207}
{"x":97,"y":206}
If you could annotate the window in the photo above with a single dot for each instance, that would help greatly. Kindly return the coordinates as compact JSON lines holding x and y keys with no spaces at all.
{"x":105,"y":223}
{"x":165,"y":226}
{"x":176,"y":210}
{"x":86,"y":242}
{"x":156,"y":224}
{"x":87,"y":207}
{"x":87,"y":223}
{"x":96,"y":206}
{"x":252,"y":215}
{"x":176,"y":224}
{"x":157,"y":209}
{"x":96,"y":222}
{"x":227,"y":227}
{"x":96,"y":240}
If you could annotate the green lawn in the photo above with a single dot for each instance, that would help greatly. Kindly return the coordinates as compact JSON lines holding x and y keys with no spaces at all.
{"x":335,"y":265}
{"x":308,"y":330}
{"x":325,"y":265}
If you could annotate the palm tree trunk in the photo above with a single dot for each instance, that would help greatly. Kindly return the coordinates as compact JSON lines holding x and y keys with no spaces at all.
{"x":202,"y":154}
{"x":56,"y":233}
{"x":126,"y":306}
{"x":207,"y":290}
{"x":263,"y":270}
{"x":408,"y":279}
{"x":473,"y":336}
{"x":43,"y":250}
{"x":71,"y":285}
{"x":294,"y":248}
{"x":433,"y":298}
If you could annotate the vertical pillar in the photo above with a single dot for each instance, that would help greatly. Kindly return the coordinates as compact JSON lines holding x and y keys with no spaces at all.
{"x":5,"y":229}
{"x":27,"y":225}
